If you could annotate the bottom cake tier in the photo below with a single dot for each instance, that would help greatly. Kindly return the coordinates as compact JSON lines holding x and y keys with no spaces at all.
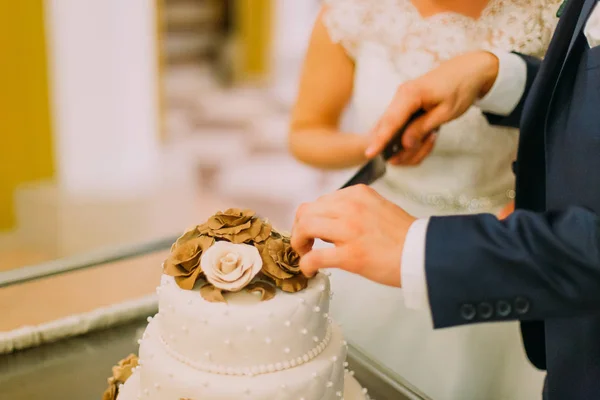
{"x":132,"y":390}
{"x":162,"y":376}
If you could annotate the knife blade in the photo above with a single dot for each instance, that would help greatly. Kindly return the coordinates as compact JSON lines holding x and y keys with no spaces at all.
{"x":376,"y":167}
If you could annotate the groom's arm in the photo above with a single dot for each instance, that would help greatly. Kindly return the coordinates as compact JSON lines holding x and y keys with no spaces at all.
{"x":531,"y":266}
{"x":503,"y":104}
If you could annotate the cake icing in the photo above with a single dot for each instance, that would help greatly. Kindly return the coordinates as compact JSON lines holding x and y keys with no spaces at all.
{"x":245,"y":335}
{"x":164,"y":377}
{"x":237,"y":320}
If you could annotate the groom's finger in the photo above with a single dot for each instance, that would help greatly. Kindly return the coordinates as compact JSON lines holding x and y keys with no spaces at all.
{"x":423,"y":126}
{"x":309,"y":228}
{"x":404,"y":104}
{"x":414,"y":156}
{"x":318,"y":259}
{"x":418,"y":157}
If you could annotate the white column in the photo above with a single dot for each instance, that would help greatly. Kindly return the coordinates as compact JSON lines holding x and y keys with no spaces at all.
{"x":293,"y":21}
{"x":103,"y":74}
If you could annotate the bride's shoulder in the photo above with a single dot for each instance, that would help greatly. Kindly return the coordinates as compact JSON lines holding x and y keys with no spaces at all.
{"x":351,"y":22}
{"x":525,"y":26}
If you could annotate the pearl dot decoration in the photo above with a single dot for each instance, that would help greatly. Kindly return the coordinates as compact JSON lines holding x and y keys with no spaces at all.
{"x":317,"y":309}
{"x":227,"y":342}
{"x":304,"y":331}
{"x":329,"y":384}
{"x":287,"y":324}
{"x":255,"y":369}
{"x":338,"y":393}
{"x":149,"y":319}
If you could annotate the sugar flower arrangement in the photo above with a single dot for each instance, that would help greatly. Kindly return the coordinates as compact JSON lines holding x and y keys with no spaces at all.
{"x":235,"y":250}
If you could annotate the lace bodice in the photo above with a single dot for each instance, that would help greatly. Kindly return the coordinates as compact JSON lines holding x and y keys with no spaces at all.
{"x":469,"y":168}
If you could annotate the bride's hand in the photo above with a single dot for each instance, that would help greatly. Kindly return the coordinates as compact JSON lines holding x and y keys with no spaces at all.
{"x":507,"y":210}
{"x":445,"y":93}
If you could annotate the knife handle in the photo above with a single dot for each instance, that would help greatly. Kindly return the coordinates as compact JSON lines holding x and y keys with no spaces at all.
{"x":395,"y":144}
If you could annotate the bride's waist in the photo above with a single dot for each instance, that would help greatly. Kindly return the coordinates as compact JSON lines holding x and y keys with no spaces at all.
{"x":437,"y":201}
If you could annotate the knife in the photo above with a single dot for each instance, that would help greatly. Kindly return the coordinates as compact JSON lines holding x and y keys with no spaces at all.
{"x":375,"y":168}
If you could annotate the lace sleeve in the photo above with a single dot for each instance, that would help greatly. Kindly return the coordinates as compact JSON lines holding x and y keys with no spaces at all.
{"x":345,"y":21}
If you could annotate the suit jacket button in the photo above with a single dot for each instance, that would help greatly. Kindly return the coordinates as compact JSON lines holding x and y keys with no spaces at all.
{"x":521,"y":305}
{"x":485,"y":310}
{"x":468,"y":312}
{"x":503,"y":308}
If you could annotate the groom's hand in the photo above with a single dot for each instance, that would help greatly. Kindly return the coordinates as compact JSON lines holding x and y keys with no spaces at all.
{"x":445,"y":93}
{"x":367,"y":230}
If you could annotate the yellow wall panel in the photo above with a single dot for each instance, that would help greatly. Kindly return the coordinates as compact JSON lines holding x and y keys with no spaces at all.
{"x":25,"y":128}
{"x":253,"y":20}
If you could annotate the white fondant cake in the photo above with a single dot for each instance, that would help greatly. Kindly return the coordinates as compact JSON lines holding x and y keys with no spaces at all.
{"x":286,"y":348}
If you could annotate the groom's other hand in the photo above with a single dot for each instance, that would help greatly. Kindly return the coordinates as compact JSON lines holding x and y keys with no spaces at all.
{"x":367,"y":230}
{"x":445,"y":93}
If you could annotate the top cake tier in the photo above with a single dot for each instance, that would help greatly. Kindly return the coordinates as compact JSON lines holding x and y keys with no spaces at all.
{"x":245,"y":335}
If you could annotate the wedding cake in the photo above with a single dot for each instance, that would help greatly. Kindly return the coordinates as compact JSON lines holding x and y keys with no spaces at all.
{"x":237,"y":320}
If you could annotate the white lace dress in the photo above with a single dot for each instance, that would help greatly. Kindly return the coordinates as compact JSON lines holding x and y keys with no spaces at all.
{"x":467,"y":172}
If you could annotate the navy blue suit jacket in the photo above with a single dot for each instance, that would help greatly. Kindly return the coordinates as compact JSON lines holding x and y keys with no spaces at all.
{"x":542,"y":264}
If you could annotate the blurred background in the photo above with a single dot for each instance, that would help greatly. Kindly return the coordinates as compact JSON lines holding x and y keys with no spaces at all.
{"x":122,"y":123}
{"x":129,"y":120}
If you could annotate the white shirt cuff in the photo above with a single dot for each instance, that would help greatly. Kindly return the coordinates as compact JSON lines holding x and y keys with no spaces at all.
{"x":414,"y":282}
{"x":509,"y":87}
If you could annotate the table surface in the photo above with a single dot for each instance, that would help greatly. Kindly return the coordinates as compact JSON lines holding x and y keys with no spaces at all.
{"x":75,"y":368}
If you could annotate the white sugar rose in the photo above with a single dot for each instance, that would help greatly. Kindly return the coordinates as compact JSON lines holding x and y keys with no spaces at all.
{"x":230,"y":266}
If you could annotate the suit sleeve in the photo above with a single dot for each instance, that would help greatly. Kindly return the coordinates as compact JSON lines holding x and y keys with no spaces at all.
{"x":530,"y":266}
{"x":505,"y":102}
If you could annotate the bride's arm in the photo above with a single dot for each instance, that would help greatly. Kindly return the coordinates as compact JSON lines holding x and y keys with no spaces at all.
{"x":325,"y":90}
